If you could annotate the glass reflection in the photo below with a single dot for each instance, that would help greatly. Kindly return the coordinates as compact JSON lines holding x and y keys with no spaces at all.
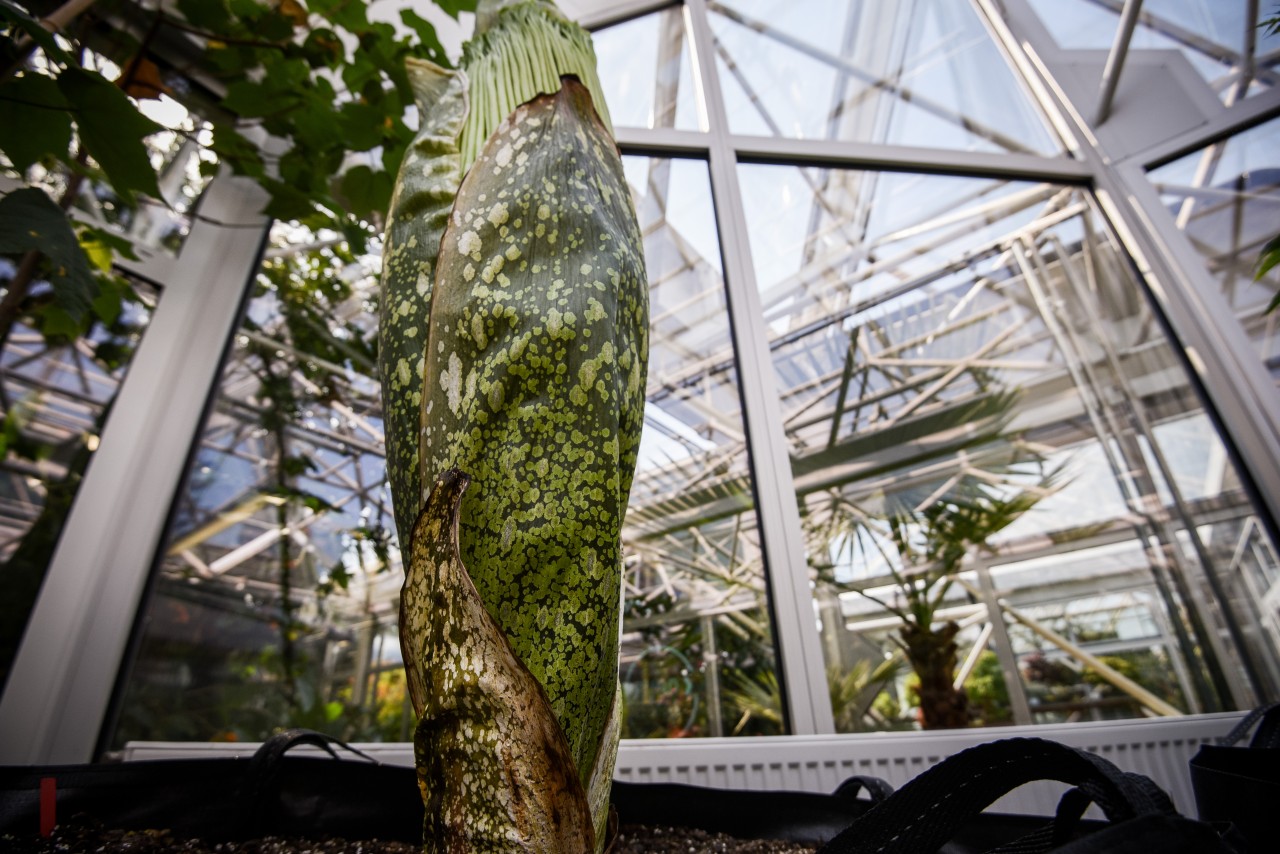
{"x":697,"y":646}
{"x":896,"y":73}
{"x":1226,"y":199}
{"x":990,"y":432}
{"x":1234,"y":55}
{"x":645,"y":70}
{"x":276,"y":595}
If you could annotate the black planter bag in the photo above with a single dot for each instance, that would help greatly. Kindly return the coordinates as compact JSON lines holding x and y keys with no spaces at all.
{"x":270,"y":794}
{"x":1241,"y":785}
{"x":941,"y":809}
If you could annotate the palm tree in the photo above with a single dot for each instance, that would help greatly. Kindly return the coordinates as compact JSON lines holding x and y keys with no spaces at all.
{"x":931,"y":543}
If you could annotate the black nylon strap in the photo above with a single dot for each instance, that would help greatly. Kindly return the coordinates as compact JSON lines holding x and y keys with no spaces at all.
{"x":877,"y":790}
{"x":1268,"y":734}
{"x":928,"y":811}
{"x":264,"y":770}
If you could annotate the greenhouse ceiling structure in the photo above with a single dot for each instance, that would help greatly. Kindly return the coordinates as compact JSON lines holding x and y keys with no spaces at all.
{"x":898,"y":252}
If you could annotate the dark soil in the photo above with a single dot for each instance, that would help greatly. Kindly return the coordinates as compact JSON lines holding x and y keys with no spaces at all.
{"x":648,"y":839}
{"x":81,"y":836}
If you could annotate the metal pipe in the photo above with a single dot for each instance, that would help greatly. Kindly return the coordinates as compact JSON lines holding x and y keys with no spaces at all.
{"x":975,"y":653}
{"x":1124,"y":683}
{"x":1115,"y":59}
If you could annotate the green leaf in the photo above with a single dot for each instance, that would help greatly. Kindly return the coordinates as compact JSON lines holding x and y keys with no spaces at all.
{"x":296,"y":466}
{"x":323,"y":48}
{"x":57,"y":323}
{"x":109,"y":302}
{"x":111,"y":129}
{"x":211,"y":15}
{"x":238,"y":152}
{"x":229,"y":61}
{"x":344,"y":13}
{"x":428,"y":42}
{"x":255,"y":100}
{"x":1269,"y":257}
{"x":359,"y":71}
{"x":34,"y":120}
{"x":332,"y":711}
{"x":29,"y":220}
{"x":387,"y":50}
{"x":314,"y":124}
{"x":339,"y":577}
{"x":274,"y":27}
{"x":115,"y":243}
{"x":361,"y":126}
{"x":287,"y":203}
{"x":357,"y":235}
{"x":99,"y":254}
{"x":366,"y":191}
{"x":19,"y":20}
{"x":453,"y":7}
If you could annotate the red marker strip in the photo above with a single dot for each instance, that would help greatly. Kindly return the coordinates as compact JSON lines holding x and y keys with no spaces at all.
{"x":48,"y":805}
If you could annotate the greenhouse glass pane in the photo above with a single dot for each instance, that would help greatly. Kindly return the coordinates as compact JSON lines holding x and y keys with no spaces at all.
{"x":276,"y":595}
{"x":1234,"y":56}
{"x":1226,"y":199}
{"x":276,"y":599}
{"x":921,"y":73}
{"x":697,"y":648}
{"x":646,"y":73}
{"x":987,"y":422}
{"x":55,"y":394}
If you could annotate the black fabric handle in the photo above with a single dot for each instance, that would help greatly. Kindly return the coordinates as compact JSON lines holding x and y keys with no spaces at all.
{"x":877,"y":790}
{"x":1268,"y":735}
{"x":926,"y":812}
{"x":264,"y":770}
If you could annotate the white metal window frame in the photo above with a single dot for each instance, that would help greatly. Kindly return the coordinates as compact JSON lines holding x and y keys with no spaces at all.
{"x":60,"y":689}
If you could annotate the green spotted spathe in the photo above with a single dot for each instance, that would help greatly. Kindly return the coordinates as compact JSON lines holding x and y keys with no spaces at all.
{"x":532,"y":305}
{"x":534,"y":386}
{"x":424,"y":192}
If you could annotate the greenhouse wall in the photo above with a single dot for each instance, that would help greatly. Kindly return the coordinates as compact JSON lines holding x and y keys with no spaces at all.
{"x":905,"y":260}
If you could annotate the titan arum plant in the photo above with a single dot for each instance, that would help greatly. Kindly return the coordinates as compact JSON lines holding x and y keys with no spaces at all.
{"x":514,"y":342}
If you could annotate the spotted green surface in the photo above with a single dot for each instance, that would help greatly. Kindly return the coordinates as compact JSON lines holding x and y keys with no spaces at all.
{"x":424,"y":192}
{"x":535,"y":382}
{"x":493,"y":764}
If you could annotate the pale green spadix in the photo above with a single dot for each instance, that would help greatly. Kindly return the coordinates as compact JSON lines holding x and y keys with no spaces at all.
{"x":534,"y":360}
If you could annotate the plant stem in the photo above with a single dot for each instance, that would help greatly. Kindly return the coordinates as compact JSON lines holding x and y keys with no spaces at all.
{"x":286,"y":581}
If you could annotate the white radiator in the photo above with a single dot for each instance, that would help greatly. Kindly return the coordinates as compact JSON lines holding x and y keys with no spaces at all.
{"x":1157,"y":747}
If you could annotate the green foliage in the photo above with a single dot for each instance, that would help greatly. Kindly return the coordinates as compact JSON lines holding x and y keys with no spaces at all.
{"x":1271,"y":25}
{"x":35,"y":120}
{"x":111,"y":130}
{"x":320,"y":77}
{"x":854,"y":692}
{"x":30,"y":221}
{"x":1267,"y":259}
{"x":988,"y":692}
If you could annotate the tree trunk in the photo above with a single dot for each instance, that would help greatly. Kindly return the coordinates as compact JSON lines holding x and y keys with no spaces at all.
{"x":932,"y":653}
